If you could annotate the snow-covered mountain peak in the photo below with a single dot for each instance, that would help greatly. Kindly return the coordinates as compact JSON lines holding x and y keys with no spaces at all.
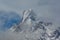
{"x":28,"y":14}
{"x":28,"y":19}
{"x":35,"y":29}
{"x":29,"y":22}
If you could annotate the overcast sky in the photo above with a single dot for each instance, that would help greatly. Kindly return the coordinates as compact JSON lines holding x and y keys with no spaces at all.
{"x":43,"y":8}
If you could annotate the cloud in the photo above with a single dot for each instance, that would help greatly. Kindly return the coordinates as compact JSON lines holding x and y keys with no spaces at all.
{"x":8,"y":19}
{"x":46,"y":9}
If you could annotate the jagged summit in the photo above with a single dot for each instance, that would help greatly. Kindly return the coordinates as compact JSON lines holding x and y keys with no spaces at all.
{"x":28,"y":14}
{"x":27,"y":20}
